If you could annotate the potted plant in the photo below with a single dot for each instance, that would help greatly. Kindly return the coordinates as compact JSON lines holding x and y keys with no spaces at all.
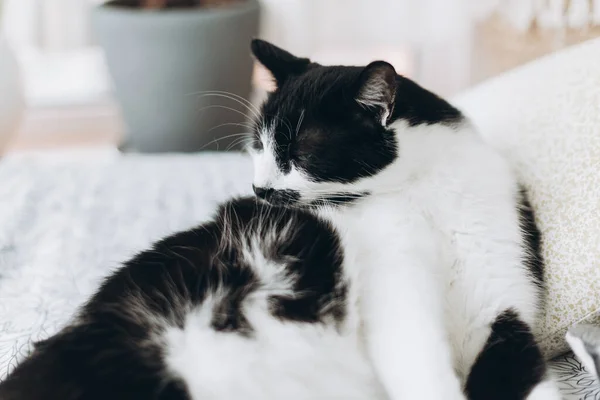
{"x":11,"y":91}
{"x":174,"y":64}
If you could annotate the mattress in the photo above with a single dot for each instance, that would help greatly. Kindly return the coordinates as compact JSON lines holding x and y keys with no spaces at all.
{"x":68,"y":219}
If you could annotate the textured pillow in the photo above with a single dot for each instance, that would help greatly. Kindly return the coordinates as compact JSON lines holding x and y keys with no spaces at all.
{"x":545,"y":117}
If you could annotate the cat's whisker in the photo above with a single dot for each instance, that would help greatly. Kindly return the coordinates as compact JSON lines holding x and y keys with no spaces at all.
{"x":230,"y":124}
{"x":300,"y":119}
{"x":221,"y":106}
{"x":238,"y":99}
{"x":240,"y":141}
{"x":241,"y":98}
{"x":217,"y":140}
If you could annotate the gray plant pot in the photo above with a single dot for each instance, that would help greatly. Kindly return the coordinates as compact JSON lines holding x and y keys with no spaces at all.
{"x":163,"y":63}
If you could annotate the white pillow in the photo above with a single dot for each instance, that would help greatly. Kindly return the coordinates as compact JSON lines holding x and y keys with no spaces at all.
{"x":545,"y":116}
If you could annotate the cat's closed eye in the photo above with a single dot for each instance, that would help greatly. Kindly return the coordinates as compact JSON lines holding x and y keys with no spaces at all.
{"x":305,"y":157}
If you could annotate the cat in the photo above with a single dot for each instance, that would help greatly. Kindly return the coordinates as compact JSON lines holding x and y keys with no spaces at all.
{"x":451,"y":276}
{"x":391,"y":255}
{"x":257,"y":304}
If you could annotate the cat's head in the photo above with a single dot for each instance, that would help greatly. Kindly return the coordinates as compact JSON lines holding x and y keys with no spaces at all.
{"x":323,"y":131}
{"x":325,"y":134}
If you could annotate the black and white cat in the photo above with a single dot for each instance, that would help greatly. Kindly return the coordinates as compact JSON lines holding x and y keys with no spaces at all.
{"x":449,"y":272}
{"x":404,"y":265}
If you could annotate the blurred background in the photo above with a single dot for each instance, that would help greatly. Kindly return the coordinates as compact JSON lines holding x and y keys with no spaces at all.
{"x":147,"y":77}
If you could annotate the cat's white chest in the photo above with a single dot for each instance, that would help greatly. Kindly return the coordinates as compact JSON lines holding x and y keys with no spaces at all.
{"x":382,"y":228}
{"x":472,"y":258}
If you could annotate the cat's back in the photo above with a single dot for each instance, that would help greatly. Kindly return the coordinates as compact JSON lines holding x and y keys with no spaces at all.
{"x":255,"y":304}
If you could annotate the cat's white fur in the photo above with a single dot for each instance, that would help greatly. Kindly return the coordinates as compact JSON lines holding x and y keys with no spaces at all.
{"x":436,"y":250}
{"x":281,"y":359}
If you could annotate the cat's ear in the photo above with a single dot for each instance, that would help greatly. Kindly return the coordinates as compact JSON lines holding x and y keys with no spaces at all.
{"x":377,"y":89}
{"x":279,"y":62}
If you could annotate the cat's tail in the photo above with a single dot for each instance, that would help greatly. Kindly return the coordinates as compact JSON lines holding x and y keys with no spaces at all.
{"x":584,"y":340}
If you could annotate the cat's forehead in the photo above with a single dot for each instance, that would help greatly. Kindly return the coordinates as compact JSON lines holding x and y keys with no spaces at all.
{"x":318,"y":91}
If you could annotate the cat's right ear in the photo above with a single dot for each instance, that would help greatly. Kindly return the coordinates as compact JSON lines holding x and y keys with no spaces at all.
{"x":279,"y":62}
{"x":377,"y":89}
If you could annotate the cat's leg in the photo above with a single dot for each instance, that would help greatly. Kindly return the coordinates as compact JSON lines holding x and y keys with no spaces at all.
{"x":405,"y":333}
{"x":511,"y":365}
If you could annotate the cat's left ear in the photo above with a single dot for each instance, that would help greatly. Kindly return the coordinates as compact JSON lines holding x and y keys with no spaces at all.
{"x":279,"y":62}
{"x":377,"y":89}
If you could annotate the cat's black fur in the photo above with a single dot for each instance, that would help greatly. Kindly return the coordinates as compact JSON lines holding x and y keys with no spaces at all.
{"x":509,"y":365}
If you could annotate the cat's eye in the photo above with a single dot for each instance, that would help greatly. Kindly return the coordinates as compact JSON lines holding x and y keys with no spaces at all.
{"x":305,"y":158}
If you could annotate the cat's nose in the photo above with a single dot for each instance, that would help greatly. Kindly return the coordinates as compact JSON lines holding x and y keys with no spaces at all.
{"x":262,"y":193}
